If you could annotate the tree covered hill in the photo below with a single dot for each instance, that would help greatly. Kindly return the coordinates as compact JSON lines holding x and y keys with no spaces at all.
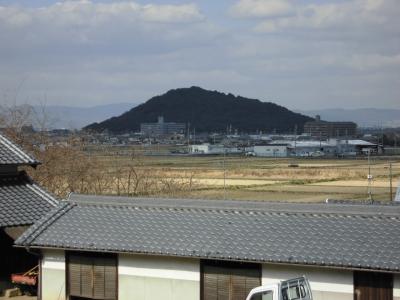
{"x":207,"y":111}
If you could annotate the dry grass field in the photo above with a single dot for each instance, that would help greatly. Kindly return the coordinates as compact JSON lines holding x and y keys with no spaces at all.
{"x":269,"y":179}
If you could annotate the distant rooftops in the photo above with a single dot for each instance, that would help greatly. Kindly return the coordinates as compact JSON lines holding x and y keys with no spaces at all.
{"x":11,"y":154}
{"x":336,"y":235}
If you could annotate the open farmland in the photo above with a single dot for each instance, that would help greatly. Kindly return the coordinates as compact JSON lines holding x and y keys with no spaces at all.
{"x":281,"y":179}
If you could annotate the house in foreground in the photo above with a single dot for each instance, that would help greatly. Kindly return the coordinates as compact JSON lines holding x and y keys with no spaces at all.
{"x":22,"y":202}
{"x":95,"y":247}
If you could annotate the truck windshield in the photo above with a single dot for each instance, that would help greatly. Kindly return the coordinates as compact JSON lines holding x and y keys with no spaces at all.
{"x":266,"y":295}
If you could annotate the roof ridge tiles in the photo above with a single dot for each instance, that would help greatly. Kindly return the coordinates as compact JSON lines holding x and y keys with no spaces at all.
{"x":24,"y":157}
{"x":242,"y":210}
{"x":43,"y":223}
{"x":228,"y":235}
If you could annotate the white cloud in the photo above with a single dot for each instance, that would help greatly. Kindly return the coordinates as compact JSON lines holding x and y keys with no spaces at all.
{"x":171,"y":13}
{"x":349,"y":15}
{"x":374,"y":61}
{"x":261,"y":8}
{"x":276,"y":15}
{"x":99,"y":51}
{"x":88,"y":13}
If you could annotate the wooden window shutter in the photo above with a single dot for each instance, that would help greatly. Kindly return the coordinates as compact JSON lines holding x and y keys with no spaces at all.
{"x":223,"y":286}
{"x":98,"y":279}
{"x":243,"y":280}
{"x":92,"y":277}
{"x":86,"y":277}
{"x":216,"y":283}
{"x":74,"y":276}
{"x":210,"y":284}
{"x":110,"y":278}
{"x":239,"y":287}
{"x":229,"y":281}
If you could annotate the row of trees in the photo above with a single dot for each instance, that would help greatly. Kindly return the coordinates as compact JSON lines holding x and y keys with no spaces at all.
{"x":67,"y":166}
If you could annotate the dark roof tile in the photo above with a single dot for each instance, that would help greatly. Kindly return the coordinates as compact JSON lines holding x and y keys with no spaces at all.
{"x":11,"y":154}
{"x":311,"y":234}
{"x":22,"y":202}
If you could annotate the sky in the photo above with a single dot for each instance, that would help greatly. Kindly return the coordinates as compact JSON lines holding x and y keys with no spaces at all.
{"x":306,"y":55}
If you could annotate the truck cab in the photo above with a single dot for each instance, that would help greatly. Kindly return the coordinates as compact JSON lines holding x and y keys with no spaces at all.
{"x":292,"y":289}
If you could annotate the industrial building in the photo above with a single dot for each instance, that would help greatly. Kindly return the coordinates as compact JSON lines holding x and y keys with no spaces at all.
{"x":285,"y":148}
{"x":323,"y":129}
{"x":207,"y":148}
{"x":271,"y":150}
{"x":162,"y":128}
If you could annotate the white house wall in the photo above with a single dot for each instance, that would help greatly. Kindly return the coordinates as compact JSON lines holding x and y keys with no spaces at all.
{"x":396,"y":287}
{"x":151,"y":277}
{"x":143,"y":277}
{"x":53,"y":275}
{"x":325,"y":284}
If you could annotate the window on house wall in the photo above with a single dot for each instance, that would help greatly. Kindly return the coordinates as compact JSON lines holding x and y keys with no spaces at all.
{"x":373,"y":286}
{"x":91,"y":276}
{"x":228,"y":281}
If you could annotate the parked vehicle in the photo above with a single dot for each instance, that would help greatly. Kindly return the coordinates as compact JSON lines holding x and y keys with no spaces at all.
{"x":27,"y":282}
{"x":317,"y":154}
{"x":292,"y":289}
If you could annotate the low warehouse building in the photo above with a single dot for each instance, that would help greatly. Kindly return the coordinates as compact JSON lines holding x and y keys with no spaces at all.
{"x":271,"y":150}
{"x":96,"y":247}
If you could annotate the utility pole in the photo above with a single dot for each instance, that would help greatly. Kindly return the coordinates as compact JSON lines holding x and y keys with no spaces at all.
{"x":320,"y":142}
{"x":295,"y":139}
{"x":188,"y":137}
{"x":369,"y":178}
{"x":390,"y":185}
{"x":224,"y":173}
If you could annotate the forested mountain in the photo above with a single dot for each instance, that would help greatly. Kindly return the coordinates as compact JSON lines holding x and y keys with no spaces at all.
{"x":207,"y":111}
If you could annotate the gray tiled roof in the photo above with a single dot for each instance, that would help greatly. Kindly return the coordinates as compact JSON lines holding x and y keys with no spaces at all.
{"x":309,"y":234}
{"x":11,"y":154}
{"x":22,"y":202}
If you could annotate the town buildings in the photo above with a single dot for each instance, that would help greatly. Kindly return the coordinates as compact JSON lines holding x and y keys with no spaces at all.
{"x":324,"y":129}
{"x":293,"y":148}
{"x":162,"y":128}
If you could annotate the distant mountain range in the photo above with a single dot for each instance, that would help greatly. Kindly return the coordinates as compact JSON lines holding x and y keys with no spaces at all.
{"x":206,"y":111}
{"x":78,"y":117}
{"x":364,"y":117}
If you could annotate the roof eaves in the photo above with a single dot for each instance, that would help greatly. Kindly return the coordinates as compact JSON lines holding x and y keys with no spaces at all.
{"x":338,"y":266}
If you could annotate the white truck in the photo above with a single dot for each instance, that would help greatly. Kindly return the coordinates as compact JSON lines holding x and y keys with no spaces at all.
{"x":292,"y":289}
